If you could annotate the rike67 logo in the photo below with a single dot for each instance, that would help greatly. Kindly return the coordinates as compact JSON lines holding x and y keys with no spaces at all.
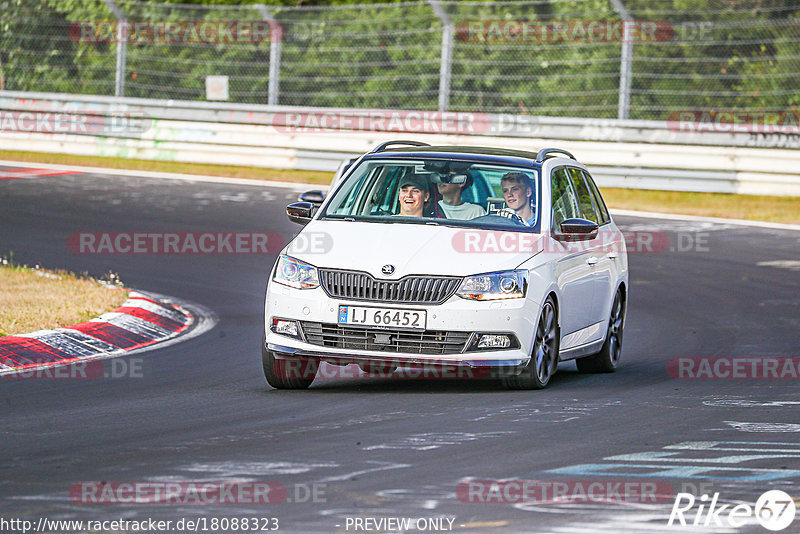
{"x":774,"y":510}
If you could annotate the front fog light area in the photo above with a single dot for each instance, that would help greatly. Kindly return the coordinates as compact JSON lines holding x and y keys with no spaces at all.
{"x":494,"y":342}
{"x":285,"y":327}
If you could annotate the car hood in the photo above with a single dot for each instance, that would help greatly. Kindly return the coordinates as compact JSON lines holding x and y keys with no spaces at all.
{"x":411,"y":248}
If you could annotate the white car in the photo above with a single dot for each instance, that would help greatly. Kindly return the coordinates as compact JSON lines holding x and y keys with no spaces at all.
{"x":523,"y":269}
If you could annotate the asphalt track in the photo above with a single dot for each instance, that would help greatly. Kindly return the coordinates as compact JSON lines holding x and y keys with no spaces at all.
{"x":201,"y":411}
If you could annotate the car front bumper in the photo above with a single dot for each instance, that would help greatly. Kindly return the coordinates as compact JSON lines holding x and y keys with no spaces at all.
{"x":459,"y":316}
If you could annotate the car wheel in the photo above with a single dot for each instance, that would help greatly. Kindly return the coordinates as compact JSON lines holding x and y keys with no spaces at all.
{"x":287,"y":374}
{"x":607,"y":360}
{"x":544,"y":357}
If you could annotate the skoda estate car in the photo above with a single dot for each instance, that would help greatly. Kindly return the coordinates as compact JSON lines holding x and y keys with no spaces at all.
{"x":461,"y":257}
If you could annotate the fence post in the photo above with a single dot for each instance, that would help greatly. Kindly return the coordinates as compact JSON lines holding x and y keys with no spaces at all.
{"x":447,"y":54}
{"x":122,"y":46}
{"x":626,"y":59}
{"x":275,"y":40}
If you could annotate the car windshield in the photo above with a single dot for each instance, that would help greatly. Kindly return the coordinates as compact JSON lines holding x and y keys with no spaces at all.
{"x":439,"y":191}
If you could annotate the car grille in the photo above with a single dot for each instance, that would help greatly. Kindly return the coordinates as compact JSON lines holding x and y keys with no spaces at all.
{"x":408,"y":290}
{"x":401,"y":341}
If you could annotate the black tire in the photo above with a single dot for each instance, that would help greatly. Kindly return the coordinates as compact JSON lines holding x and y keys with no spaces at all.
{"x":287,"y":374}
{"x":544,"y":356}
{"x":607,"y":360}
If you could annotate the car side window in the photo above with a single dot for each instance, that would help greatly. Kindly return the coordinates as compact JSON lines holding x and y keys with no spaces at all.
{"x":384,"y":200}
{"x":584,"y":196}
{"x":598,"y":199}
{"x":564,"y":203}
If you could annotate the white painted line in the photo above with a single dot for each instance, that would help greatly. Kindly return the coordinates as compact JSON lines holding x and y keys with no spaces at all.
{"x":792,"y":265}
{"x":763,"y":427}
{"x":232,"y":468}
{"x":746,"y":403}
{"x":679,"y":217}
{"x":168,"y":175}
{"x":382,"y":466}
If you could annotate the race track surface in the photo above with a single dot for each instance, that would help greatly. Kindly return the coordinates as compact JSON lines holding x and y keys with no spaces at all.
{"x":374,"y":448}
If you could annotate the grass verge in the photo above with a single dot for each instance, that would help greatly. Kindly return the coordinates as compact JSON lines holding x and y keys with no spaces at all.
{"x":749,"y":207}
{"x":35,"y":299}
{"x":226,"y":171}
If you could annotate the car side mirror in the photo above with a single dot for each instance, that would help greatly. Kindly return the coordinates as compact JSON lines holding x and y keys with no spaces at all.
{"x":300,"y":212}
{"x":314,"y":197}
{"x":576,"y":229}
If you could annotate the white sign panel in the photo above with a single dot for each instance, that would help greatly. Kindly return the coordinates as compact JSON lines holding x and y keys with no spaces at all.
{"x":217,"y":88}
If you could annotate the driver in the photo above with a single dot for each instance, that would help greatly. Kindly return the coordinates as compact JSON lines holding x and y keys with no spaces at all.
{"x":413,"y":194}
{"x":517,"y":193}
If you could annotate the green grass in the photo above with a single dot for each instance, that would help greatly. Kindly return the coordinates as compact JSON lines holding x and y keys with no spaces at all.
{"x":750,"y":207}
{"x":227,"y":171}
{"x":35,"y":299}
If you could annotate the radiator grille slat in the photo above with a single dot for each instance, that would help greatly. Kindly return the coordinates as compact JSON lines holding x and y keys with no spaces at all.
{"x":399,"y":341}
{"x":411,"y":289}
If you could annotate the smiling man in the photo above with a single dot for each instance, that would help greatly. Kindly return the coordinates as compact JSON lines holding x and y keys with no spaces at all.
{"x":413,"y":194}
{"x":517,"y":193}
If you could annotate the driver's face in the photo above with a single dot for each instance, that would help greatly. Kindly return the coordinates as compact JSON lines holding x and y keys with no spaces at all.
{"x":412,"y":200}
{"x":516,"y":195}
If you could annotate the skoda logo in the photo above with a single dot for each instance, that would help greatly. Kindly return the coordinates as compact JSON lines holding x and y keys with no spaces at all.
{"x":387,"y":269}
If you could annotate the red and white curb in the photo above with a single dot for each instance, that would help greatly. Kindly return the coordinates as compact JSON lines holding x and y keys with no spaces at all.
{"x":143,"y":320}
{"x":19,"y":174}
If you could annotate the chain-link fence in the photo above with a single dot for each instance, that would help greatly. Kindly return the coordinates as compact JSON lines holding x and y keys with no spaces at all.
{"x":642,"y":59}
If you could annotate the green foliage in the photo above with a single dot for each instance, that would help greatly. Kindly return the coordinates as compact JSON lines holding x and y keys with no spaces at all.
{"x":721,"y":54}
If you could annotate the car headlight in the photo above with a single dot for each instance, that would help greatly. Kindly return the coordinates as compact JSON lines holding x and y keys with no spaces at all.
{"x":295,"y":273}
{"x":495,"y":286}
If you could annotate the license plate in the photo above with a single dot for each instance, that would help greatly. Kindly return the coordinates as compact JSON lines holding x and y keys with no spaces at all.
{"x":382,"y":317}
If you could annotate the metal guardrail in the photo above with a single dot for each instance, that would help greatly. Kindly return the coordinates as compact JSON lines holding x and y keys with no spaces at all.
{"x":636,"y":154}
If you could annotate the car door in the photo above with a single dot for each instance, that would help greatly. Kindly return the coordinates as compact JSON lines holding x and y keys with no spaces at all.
{"x":596,"y":249}
{"x":575,"y":275}
{"x":610,"y":246}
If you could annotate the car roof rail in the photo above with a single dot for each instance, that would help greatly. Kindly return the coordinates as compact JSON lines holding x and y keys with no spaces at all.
{"x":383,"y":146}
{"x":543,"y":154}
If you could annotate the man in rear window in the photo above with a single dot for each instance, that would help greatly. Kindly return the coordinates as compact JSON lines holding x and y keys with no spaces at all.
{"x":452,"y":205}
